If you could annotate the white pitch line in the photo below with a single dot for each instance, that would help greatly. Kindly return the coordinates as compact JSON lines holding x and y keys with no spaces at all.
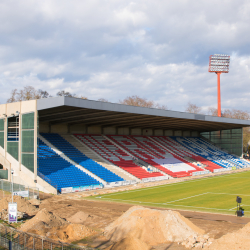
{"x":164,"y":204}
{"x":200,"y":207}
{"x":232,"y":208}
{"x":230,"y":194}
{"x":187,"y":198}
{"x":167,"y":184}
{"x":147,"y":202}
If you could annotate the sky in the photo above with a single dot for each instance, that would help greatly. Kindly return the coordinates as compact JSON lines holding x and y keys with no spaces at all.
{"x":158,"y":50}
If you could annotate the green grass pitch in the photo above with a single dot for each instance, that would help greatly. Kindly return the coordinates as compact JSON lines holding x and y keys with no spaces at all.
{"x":213,"y":194}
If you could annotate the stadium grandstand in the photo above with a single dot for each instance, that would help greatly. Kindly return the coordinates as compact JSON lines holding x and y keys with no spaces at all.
{"x":66,"y":144}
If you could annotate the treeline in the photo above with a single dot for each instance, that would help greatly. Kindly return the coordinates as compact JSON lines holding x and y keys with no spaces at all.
{"x":30,"y":93}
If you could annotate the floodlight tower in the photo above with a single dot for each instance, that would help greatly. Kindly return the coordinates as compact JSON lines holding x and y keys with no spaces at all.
{"x":219,"y":64}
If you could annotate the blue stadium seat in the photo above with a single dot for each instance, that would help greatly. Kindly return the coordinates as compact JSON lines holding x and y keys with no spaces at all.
{"x":210,"y":152}
{"x":60,"y":171}
{"x":75,"y":155}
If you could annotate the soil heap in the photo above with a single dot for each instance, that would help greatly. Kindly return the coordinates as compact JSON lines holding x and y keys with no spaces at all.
{"x":23,"y":205}
{"x":43,"y":219}
{"x":129,"y":243}
{"x":233,"y":241}
{"x":70,"y":232}
{"x":79,"y":217}
{"x":49,"y":224}
{"x":155,"y":227}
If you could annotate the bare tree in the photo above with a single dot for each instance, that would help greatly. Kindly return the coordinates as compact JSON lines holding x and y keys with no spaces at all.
{"x":212,"y":111}
{"x":193,"y":108}
{"x":102,"y":100}
{"x":65,"y":93}
{"x":27,"y":93}
{"x":141,"y":102}
{"x":83,"y":97}
{"x":43,"y":94}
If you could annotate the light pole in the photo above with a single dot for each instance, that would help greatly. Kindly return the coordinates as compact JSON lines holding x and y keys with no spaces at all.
{"x":219,"y":64}
{"x":12,"y":172}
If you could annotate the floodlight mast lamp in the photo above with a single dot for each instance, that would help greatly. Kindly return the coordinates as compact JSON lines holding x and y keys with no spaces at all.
{"x":219,"y":64}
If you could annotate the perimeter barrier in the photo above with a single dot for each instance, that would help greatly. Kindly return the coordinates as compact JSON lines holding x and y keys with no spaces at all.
{"x":14,"y":239}
{"x":158,"y":178}
{"x":200,"y":172}
{"x":18,"y":189}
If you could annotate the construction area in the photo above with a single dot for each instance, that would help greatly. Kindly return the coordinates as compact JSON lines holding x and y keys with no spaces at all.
{"x":91,"y":224}
{"x":66,"y":153}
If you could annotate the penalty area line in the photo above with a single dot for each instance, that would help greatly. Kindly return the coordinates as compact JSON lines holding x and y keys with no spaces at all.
{"x":186,"y":198}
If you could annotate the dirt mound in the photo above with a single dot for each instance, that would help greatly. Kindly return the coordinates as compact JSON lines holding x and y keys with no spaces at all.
{"x":232,"y":241}
{"x":52,"y":226}
{"x":23,"y":205}
{"x":70,"y":232}
{"x":129,"y":243}
{"x":43,"y":218}
{"x":79,"y":217}
{"x":154,"y":227}
{"x":35,"y":202}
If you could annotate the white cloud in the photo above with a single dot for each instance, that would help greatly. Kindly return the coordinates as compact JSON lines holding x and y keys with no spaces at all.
{"x":112,"y":49}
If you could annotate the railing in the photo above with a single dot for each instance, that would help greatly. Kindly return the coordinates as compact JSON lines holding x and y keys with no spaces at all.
{"x":120,"y":183}
{"x":200,"y":172}
{"x":47,"y":179}
{"x":18,"y":189}
{"x":11,"y":238}
{"x":158,"y":178}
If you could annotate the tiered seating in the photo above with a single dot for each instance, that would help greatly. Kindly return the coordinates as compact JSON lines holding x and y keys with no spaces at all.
{"x":114,"y":154}
{"x":60,"y":171}
{"x":222,"y":154}
{"x":152,"y":154}
{"x":78,"y":157}
{"x":201,"y":151}
{"x":149,"y":144}
{"x":182,"y":151}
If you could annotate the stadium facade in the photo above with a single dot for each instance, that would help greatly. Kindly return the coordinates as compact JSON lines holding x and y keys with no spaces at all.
{"x":24,"y":124}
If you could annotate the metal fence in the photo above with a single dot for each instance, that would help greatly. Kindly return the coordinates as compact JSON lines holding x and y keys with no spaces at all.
{"x":6,"y":190}
{"x":11,"y":238}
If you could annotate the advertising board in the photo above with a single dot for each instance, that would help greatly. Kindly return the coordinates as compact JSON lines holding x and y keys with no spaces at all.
{"x":12,"y":212}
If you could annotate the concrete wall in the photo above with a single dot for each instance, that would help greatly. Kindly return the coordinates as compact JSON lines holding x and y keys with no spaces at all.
{"x":147,"y":132}
{"x":136,"y":131}
{"x":109,"y":131}
{"x":59,"y":128}
{"x":159,"y":132}
{"x":22,"y":107}
{"x":123,"y":131}
{"x":177,"y":133}
{"x":186,"y":133}
{"x":78,"y":129}
{"x":95,"y":130}
{"x":195,"y":134}
{"x":44,"y":127}
{"x":168,"y":132}
{"x":28,"y":106}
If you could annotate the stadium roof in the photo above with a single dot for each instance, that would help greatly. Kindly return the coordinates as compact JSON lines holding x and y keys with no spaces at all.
{"x":71,"y":111}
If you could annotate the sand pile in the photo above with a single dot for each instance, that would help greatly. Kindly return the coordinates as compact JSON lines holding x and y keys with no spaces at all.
{"x":79,"y":217}
{"x":43,"y":219}
{"x":129,"y":243}
{"x":155,"y":227}
{"x":48,"y":224}
{"x":23,"y":205}
{"x":35,"y":202}
{"x":233,"y":241}
{"x":70,"y":232}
